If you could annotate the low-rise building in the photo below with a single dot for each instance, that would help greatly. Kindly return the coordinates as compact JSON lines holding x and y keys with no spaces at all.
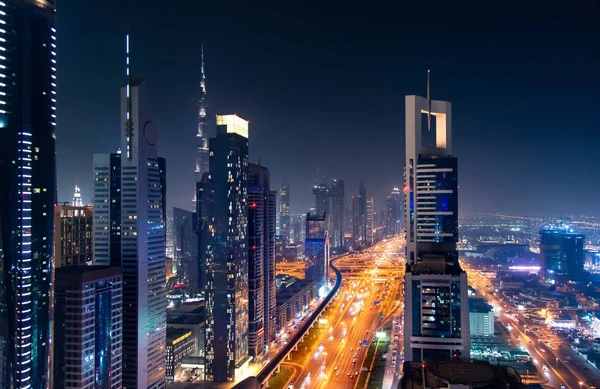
{"x":293,"y":299}
{"x":481,"y":317}
{"x":180,"y":344}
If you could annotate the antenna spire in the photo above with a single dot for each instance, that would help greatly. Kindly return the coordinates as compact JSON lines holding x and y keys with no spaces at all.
{"x":429,"y":99}
{"x":128,"y":122}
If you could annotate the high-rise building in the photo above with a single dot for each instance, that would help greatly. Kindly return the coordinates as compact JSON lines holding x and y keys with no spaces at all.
{"x":370,"y":222}
{"x":180,"y":344}
{"x":142,"y":242}
{"x":261,"y":258}
{"x":72,"y":235}
{"x":27,"y":190}
{"x":316,"y":248}
{"x":561,"y":254}
{"x":223,"y":209}
{"x":107,"y":209}
{"x":285,"y":222}
{"x":338,"y":209}
{"x":88,"y":320}
{"x":201,"y":136}
{"x":322,"y":200}
{"x":186,"y":250}
{"x":436,"y":313}
{"x":393,"y":216}
{"x":481,"y":317}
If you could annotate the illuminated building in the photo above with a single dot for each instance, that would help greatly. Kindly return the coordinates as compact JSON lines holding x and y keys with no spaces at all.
{"x":27,"y":190}
{"x":436,"y":313}
{"x":393,"y":216}
{"x":180,"y":344}
{"x":201,"y":136}
{"x":369,"y":222}
{"x":223,"y":209}
{"x":481,"y":318}
{"x":77,"y":201}
{"x":561,"y":254}
{"x":261,"y":259}
{"x":185,"y":247}
{"x":285,"y":222}
{"x":129,"y":231}
{"x":88,"y":320}
{"x":72,"y":235}
{"x":316,"y":248}
{"x":337,"y":214}
{"x":359,"y":216}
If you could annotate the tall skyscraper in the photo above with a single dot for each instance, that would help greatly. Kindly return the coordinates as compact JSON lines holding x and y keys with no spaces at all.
{"x":561,"y":254}
{"x":436,"y":312}
{"x":316,"y":248}
{"x":261,"y":277}
{"x":359,"y":216}
{"x":322,"y":200}
{"x":28,"y":189}
{"x":338,"y":209}
{"x":201,"y":137}
{"x":393,"y":215}
{"x":88,"y":320}
{"x":72,"y":235}
{"x":142,"y":242}
{"x":186,"y":250}
{"x":285,"y":223}
{"x":370,"y":222}
{"x":226,"y":250}
{"x":107,"y":209}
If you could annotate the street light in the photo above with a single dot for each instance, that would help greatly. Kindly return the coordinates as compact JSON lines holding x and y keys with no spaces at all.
{"x":580,"y":383}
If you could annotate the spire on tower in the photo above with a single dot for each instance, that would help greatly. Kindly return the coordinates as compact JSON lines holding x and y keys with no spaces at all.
{"x":428,"y":100}
{"x":128,"y":122}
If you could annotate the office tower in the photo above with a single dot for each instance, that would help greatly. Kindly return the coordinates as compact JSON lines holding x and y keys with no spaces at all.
{"x":201,"y":137}
{"x":393,"y":215}
{"x":299,"y":222}
{"x":261,"y":258}
{"x":436,"y":312}
{"x":369,"y":222}
{"x":561,"y":254}
{"x":337,"y":214}
{"x":142,"y":242}
{"x":27,"y":189}
{"x":107,"y":209}
{"x":316,"y":248}
{"x":77,"y":201}
{"x":223,"y":207}
{"x":186,"y":250}
{"x":481,"y":317}
{"x":321,"y":193}
{"x":180,"y":344}
{"x":72,"y":235}
{"x":285,"y":226}
{"x":88,"y":320}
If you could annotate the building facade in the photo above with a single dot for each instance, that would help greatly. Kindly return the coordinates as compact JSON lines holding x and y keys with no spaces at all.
{"x":316,"y":249}
{"x":436,"y":313}
{"x":202,"y":158}
{"x":180,"y":344}
{"x":285,"y":221}
{"x":393,"y":215}
{"x":223,"y":208}
{"x":481,"y":317}
{"x":88,"y":304}
{"x":73,"y":235}
{"x":27,"y":190}
{"x":370,"y":222}
{"x":185,"y":249}
{"x":561,"y":254}
{"x":338,"y":209}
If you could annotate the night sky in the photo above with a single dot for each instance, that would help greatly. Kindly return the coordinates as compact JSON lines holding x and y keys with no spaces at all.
{"x":323,"y":87}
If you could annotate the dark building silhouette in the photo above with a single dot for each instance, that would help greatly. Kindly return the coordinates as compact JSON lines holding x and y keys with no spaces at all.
{"x":561,"y":254}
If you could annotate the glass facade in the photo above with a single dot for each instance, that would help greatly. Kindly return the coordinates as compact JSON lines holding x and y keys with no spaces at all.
{"x":561,"y":254}
{"x":28,"y":190}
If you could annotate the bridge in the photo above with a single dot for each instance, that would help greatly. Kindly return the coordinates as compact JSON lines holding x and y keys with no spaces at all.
{"x":262,"y":378}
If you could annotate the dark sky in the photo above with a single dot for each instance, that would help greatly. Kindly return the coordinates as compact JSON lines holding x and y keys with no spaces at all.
{"x":323,"y":87}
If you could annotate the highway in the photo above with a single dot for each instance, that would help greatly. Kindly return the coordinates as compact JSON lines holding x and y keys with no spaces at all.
{"x":542,"y":344}
{"x":353,"y":317}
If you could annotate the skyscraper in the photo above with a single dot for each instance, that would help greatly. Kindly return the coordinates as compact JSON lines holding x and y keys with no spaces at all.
{"x":107,"y":209}
{"x":88,"y":320}
{"x":393,"y":215}
{"x":201,"y":136}
{"x":369,"y":222}
{"x":337,"y":214}
{"x":142,"y":243}
{"x":561,"y":254}
{"x":436,"y":312}
{"x":316,"y":248}
{"x":359,"y":216}
{"x":261,"y":258}
{"x":226,"y":250}
{"x":72,"y":235}
{"x":321,"y":193}
{"x":285,"y":225}
{"x":186,"y":250}
{"x":28,"y":189}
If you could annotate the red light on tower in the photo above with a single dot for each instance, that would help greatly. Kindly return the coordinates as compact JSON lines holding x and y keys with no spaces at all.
{"x":405,"y":189}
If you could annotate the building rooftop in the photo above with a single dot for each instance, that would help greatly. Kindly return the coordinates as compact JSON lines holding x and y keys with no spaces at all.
{"x":176,"y":333}
{"x":478,"y":305}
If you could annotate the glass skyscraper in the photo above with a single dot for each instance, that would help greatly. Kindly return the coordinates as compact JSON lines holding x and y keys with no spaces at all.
{"x":223,"y":211}
{"x":561,"y":254}
{"x":27,"y":189}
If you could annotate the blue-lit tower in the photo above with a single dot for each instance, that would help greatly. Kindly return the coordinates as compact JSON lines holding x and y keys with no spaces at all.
{"x":27,"y":189}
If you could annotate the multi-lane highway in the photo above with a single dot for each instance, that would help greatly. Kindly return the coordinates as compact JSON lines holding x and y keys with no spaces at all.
{"x":367,"y":299}
{"x":552,"y":355}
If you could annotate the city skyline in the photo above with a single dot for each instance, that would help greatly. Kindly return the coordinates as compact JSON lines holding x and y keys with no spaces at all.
{"x":502,"y":86}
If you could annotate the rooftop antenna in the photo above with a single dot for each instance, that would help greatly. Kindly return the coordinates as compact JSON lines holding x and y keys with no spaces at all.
{"x":429,"y":100}
{"x":128,"y":122}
